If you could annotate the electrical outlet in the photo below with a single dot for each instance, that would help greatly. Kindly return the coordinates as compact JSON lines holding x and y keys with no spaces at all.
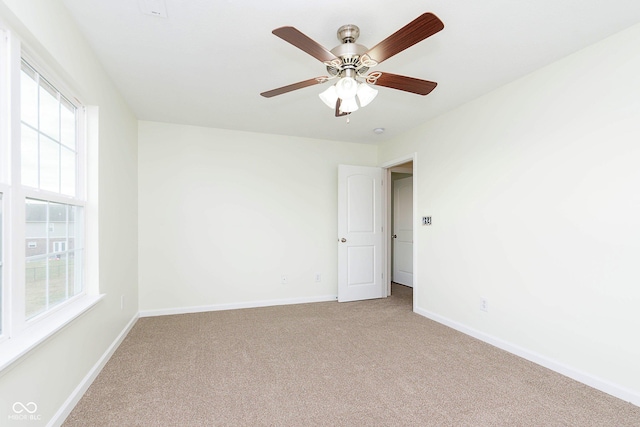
{"x":318,"y":277}
{"x":283,"y":279}
{"x":484,"y":304}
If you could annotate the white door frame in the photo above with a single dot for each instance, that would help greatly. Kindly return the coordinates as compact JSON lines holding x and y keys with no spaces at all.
{"x":388,"y":189}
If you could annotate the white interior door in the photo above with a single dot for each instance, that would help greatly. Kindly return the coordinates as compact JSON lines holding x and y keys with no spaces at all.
{"x":360,"y":233}
{"x":403,"y":231}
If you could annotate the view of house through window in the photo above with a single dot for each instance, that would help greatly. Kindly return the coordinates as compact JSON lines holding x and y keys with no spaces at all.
{"x":53,"y":271}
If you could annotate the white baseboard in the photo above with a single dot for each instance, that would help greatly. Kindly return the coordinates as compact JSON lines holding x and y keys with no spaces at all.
{"x":568,"y":371}
{"x":234,"y":306}
{"x":79,"y":391}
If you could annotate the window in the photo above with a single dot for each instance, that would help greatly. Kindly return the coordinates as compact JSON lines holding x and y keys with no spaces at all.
{"x":42,"y":203}
{"x":49,"y":163}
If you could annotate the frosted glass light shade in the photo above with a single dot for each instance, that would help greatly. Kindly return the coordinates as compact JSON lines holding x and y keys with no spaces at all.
{"x":329,"y":97}
{"x":348,"y":105}
{"x":366,"y":94}
{"x":346,"y":88}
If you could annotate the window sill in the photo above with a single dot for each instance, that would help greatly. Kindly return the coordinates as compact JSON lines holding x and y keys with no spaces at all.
{"x":13,"y":349}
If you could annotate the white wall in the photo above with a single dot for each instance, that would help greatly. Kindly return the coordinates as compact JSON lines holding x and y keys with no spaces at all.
{"x":49,"y":374}
{"x":534,"y":191}
{"x":224,"y":214}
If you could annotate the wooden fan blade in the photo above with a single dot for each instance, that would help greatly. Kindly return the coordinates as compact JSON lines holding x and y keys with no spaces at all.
{"x":407,"y":84}
{"x":415,"y":31}
{"x":301,"y":41}
{"x":295,"y":86}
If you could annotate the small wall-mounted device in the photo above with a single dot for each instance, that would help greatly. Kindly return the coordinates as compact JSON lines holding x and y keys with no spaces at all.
{"x":156,"y":8}
{"x":426,"y":220}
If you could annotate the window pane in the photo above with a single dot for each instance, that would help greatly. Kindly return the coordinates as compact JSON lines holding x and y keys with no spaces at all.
{"x":29,"y":154}
{"x":35,"y":286}
{"x":68,"y":124}
{"x":49,"y":110}
{"x":36,"y":231}
{"x":54,"y":241}
{"x":57,"y":279}
{"x":36,"y":234}
{"x":29,"y":96}
{"x":49,"y":164}
{"x":57,"y":222}
{"x":49,"y":139}
{"x":76,"y":228}
{"x":75,"y":272}
{"x":68,"y":172}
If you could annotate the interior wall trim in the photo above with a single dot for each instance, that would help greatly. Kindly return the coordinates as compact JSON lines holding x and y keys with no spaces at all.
{"x":76,"y":395}
{"x":605,"y":386}
{"x":235,"y":306}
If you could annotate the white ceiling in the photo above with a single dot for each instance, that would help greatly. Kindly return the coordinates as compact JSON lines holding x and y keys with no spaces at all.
{"x":208,"y":61}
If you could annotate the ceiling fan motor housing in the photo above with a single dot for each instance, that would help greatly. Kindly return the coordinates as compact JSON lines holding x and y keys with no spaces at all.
{"x":349,"y":51}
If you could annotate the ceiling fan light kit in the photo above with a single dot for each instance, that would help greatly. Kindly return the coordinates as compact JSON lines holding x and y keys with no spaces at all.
{"x":349,"y":62}
{"x":329,"y":96}
{"x":348,"y":89}
{"x":366,"y":94}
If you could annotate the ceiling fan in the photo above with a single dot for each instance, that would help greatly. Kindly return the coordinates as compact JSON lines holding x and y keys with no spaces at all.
{"x":349,"y":62}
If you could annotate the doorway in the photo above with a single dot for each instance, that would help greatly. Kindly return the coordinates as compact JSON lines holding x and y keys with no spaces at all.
{"x":365,"y":199}
{"x":401,"y":222}
{"x":402,"y":228}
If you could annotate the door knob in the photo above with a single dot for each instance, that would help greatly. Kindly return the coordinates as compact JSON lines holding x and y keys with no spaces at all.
{"x":395,"y":236}
{"x":343,"y":240}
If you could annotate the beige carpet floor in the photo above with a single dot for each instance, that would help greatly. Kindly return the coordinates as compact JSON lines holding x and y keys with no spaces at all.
{"x":368,"y":363}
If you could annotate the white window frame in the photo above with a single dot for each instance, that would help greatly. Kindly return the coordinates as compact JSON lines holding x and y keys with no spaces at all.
{"x":5,"y":153}
{"x":4,"y":272}
{"x":19,"y":335}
